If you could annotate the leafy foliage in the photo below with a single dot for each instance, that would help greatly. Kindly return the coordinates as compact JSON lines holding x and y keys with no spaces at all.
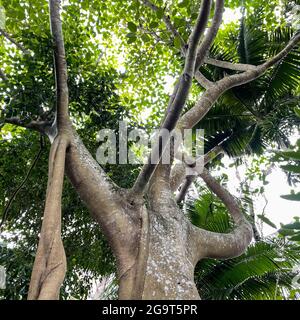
{"x":265,"y":271}
{"x":251,"y":117}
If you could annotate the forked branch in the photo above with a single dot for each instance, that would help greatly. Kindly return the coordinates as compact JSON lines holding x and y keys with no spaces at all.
{"x":211,"y":95}
{"x":181,"y":92}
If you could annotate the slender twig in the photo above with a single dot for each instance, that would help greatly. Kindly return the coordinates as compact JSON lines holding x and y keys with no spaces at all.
{"x":13,"y":41}
{"x":166,"y":20}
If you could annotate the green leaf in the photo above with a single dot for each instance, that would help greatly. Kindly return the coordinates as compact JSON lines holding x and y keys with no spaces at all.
{"x":286,"y":232}
{"x":177,"y":42}
{"x":297,"y":111}
{"x":291,"y":154}
{"x":153,"y":24}
{"x":291,"y":168}
{"x":267,"y":221}
{"x":295,"y":237}
{"x":131,"y":26}
{"x":292,"y":197}
{"x":146,"y":38}
{"x":183,"y":4}
{"x":295,"y":225}
{"x":179,"y":22}
{"x":160,"y":13}
{"x":131,"y":39}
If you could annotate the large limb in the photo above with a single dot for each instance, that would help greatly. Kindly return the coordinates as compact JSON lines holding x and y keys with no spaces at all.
{"x":218,"y":245}
{"x":50,"y":262}
{"x":211,"y":95}
{"x":211,"y":34}
{"x":104,"y":200}
{"x":180,"y":97}
{"x":40,"y":126}
{"x":122,"y":222}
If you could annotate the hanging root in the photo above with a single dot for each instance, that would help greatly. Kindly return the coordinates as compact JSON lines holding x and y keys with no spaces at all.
{"x":50,"y":262}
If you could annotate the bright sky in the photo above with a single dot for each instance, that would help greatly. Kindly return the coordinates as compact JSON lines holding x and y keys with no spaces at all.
{"x":278,"y":210}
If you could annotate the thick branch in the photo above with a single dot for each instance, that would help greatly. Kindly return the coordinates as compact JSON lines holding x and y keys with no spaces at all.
{"x":202,"y":80}
{"x":224,"y":195}
{"x":102,"y":197}
{"x":211,"y":33}
{"x":283,"y":53}
{"x":229,"y":65}
{"x":210,"y":96}
{"x":40,"y":126}
{"x":50,"y":262}
{"x":185,"y":188}
{"x":193,"y":51}
{"x":181,"y":94}
{"x":218,"y":245}
{"x":62,"y":92}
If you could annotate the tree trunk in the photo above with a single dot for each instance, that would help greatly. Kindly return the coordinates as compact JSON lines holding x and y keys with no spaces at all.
{"x":170,"y":264}
{"x":155,"y":245}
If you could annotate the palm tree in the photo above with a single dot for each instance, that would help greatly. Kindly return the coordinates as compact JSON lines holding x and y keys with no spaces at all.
{"x":265,"y":271}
